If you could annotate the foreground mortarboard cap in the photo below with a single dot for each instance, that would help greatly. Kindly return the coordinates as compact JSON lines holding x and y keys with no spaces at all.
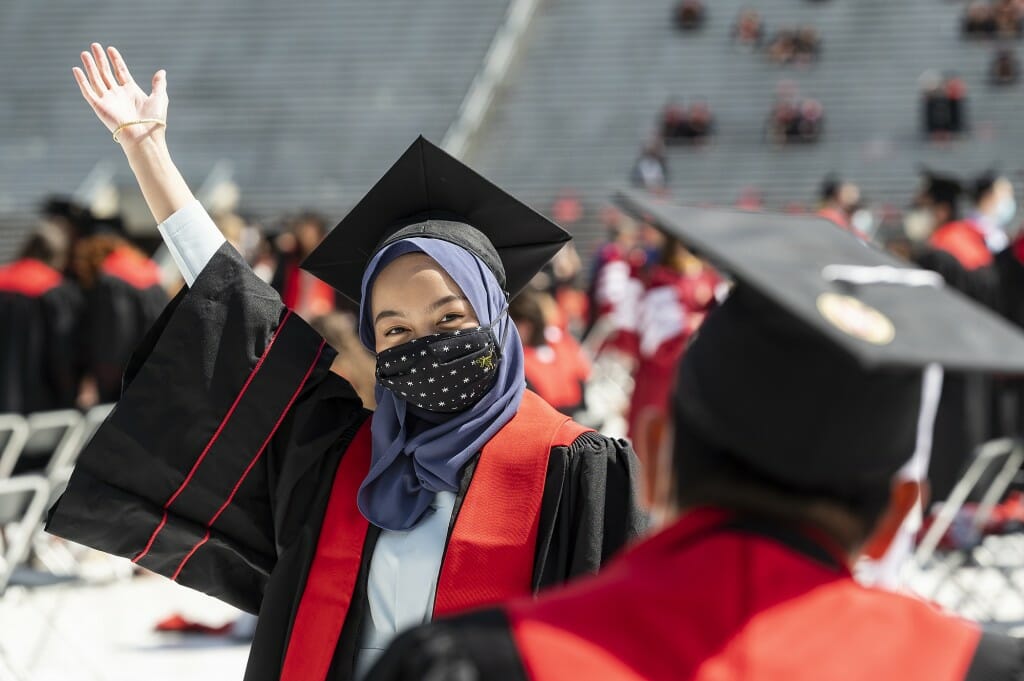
{"x":879,"y":309}
{"x":429,"y":193}
{"x":810,"y":372}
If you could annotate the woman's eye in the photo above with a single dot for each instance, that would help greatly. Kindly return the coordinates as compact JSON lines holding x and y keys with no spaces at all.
{"x":394,"y":331}
{"x":450,"y":317}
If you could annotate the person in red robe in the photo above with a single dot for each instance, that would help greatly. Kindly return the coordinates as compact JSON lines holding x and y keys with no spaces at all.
{"x":680,"y":290}
{"x":555,"y":365}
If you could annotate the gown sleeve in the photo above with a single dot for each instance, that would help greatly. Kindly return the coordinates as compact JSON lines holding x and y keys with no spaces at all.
{"x":184,"y":475}
{"x":590,"y":508}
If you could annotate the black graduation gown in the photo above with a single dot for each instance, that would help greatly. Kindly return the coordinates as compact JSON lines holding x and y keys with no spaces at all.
{"x":267,"y":467}
{"x":119,"y":311}
{"x":38,"y":356}
{"x":972,"y":407}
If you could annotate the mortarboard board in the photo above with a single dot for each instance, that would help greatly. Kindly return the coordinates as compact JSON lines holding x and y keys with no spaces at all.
{"x":810,"y":372}
{"x":429,"y":193}
{"x":881,"y":310}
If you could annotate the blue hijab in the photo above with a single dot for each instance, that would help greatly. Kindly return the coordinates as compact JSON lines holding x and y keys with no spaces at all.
{"x":417,"y":453}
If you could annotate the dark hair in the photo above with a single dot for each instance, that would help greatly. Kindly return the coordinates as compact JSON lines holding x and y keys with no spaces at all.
{"x":983,"y":184}
{"x":830,"y":187}
{"x":49,"y":245}
{"x":527,"y":307}
{"x":706,"y":475}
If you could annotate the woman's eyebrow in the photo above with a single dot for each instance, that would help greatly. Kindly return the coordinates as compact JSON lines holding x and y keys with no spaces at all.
{"x":441,"y":302}
{"x":386,"y":313}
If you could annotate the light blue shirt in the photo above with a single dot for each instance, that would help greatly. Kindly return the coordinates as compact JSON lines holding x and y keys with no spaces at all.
{"x":405,"y":565}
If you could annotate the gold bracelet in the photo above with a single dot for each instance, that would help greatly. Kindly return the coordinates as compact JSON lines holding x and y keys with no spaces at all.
{"x":121,"y":127}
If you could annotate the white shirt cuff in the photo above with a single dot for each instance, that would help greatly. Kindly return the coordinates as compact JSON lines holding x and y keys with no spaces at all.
{"x":192,"y":238}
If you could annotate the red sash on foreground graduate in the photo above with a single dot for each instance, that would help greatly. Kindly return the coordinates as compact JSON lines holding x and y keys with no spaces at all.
{"x":231,"y":464}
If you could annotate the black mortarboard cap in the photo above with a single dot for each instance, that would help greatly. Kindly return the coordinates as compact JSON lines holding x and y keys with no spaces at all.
{"x":810,"y":372}
{"x":941,"y":188}
{"x":110,"y":225}
{"x":429,"y":193}
{"x":876,"y":307}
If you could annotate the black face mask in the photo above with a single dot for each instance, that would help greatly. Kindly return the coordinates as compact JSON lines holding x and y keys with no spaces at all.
{"x":445,"y":372}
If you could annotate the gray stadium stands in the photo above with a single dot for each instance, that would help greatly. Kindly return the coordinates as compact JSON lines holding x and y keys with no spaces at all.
{"x":595,"y":74}
{"x":310,"y":99}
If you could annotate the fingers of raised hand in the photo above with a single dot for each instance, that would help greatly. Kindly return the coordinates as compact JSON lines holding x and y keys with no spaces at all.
{"x":96,"y":82}
{"x":84,"y":86}
{"x":120,"y":68}
{"x":104,"y":66}
{"x":160,"y":83}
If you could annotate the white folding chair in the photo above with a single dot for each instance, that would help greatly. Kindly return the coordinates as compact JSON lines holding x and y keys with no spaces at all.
{"x":13,"y":436}
{"x":23,"y":502}
{"x":978,"y":572}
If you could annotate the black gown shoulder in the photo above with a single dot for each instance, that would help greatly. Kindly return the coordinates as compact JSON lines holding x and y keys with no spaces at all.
{"x":590,"y":509}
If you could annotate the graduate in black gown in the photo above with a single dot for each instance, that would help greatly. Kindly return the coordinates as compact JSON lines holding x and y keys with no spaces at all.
{"x":980,"y":257}
{"x":123,"y":297}
{"x":236,"y":463}
{"x":796,"y":405}
{"x":40,"y":312}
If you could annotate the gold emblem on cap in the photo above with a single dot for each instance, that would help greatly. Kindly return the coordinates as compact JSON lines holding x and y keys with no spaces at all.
{"x":856,"y":318}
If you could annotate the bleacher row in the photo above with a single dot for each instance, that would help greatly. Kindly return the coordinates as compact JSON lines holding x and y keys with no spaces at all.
{"x":308,"y":101}
{"x":596,"y":73}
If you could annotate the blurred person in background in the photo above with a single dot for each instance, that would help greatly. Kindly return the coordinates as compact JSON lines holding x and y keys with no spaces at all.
{"x":839,"y":199}
{"x":689,"y":15}
{"x":1008,"y":17}
{"x":301,"y":291}
{"x":40,"y":314}
{"x":240,"y":465}
{"x":555,"y":366}
{"x":976,"y":256}
{"x":795,"y":46}
{"x":650,"y":170}
{"x":748,"y":30}
{"x":944,"y":105}
{"x":71,"y":217}
{"x":978,"y":20}
{"x":560,"y":280}
{"x":616,"y":286}
{"x":1004,"y":69}
{"x":680,"y":290}
{"x":124,"y":295}
{"x":681,"y":125}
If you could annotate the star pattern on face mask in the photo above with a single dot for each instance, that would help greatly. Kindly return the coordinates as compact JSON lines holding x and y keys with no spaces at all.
{"x":426,"y":370}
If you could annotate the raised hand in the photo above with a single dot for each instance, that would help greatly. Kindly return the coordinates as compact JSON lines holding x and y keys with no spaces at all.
{"x":116,"y":98}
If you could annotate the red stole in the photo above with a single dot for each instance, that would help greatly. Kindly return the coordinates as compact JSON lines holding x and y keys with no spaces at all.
{"x":28,"y":277}
{"x":963,"y":241}
{"x":696,"y":603}
{"x":490,"y":554}
{"x":133,"y":268}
